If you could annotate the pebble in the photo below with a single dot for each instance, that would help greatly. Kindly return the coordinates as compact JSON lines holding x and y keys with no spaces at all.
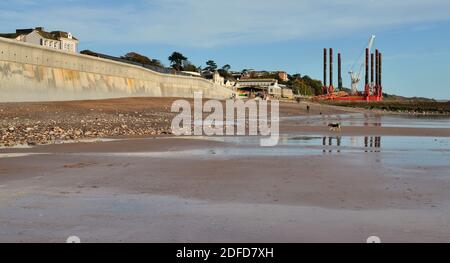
{"x":31,"y":131}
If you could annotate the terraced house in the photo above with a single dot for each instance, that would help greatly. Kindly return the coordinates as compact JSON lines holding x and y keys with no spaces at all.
{"x":60,"y":40}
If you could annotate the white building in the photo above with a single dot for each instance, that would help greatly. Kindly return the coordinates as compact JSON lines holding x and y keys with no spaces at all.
{"x":217,"y":79}
{"x":230,"y":84}
{"x":271,"y":86}
{"x":56,"y":39}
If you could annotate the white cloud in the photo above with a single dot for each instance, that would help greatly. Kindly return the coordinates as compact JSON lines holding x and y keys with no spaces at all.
{"x":203,"y":23}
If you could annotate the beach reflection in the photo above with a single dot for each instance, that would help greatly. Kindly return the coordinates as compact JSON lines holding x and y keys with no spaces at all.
{"x":372,"y":120}
{"x":370,"y":144}
{"x":329,"y":141}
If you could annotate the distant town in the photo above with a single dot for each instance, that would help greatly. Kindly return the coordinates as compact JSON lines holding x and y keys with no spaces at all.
{"x":248,"y":83}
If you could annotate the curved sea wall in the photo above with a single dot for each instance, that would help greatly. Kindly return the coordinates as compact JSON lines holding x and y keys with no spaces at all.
{"x":33,"y":73}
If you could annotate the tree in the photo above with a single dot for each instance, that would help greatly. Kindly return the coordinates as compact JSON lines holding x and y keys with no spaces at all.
{"x":296,"y":76}
{"x":176,"y":60}
{"x":315,"y":85}
{"x":157,"y":63}
{"x":188,"y":66}
{"x":305,"y":85}
{"x":211,"y":65}
{"x":226,"y":68}
{"x":304,"y":89}
{"x":136,"y":57}
{"x":225,"y":72}
{"x":300,"y":88}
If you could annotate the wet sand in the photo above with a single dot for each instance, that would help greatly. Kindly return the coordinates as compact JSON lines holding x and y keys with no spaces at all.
{"x":379,"y":176}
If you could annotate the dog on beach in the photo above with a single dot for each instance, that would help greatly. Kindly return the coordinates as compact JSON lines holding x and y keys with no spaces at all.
{"x":334,"y":126}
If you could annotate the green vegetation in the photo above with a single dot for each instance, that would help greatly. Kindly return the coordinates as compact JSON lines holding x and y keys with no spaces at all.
{"x":211,"y":65}
{"x":305,"y":85}
{"x":225,"y":72}
{"x":188,"y":66}
{"x":135,"y":57}
{"x":226,"y":68}
{"x":177,"y":60}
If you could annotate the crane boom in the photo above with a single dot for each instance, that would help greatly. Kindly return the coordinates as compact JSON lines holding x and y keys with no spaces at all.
{"x":356,"y":77}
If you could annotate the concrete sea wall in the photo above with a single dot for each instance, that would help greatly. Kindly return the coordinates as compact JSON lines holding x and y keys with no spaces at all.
{"x":33,"y":73}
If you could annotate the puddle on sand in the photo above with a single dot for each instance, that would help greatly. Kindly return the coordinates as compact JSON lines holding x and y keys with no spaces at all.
{"x":374,"y":120}
{"x":357,"y":142}
{"x":16,"y":155}
{"x":218,"y":152}
{"x":387,"y":149}
{"x":56,"y":142}
{"x":407,"y":151}
{"x":381,"y":142}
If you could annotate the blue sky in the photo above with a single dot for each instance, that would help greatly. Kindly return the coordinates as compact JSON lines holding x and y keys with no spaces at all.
{"x":289,"y":35}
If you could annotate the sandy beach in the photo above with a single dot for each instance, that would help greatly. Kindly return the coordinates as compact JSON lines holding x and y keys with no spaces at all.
{"x":382,"y":175}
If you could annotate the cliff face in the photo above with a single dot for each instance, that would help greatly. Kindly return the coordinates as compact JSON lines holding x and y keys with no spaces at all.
{"x":34,"y":73}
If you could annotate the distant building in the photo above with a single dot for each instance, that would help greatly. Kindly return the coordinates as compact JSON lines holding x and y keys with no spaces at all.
{"x":287,"y":93}
{"x":217,"y":79}
{"x":231,"y":84}
{"x":283,"y":76}
{"x":266,"y":86}
{"x":60,"y":40}
{"x":252,"y":74}
{"x":214,"y":77}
